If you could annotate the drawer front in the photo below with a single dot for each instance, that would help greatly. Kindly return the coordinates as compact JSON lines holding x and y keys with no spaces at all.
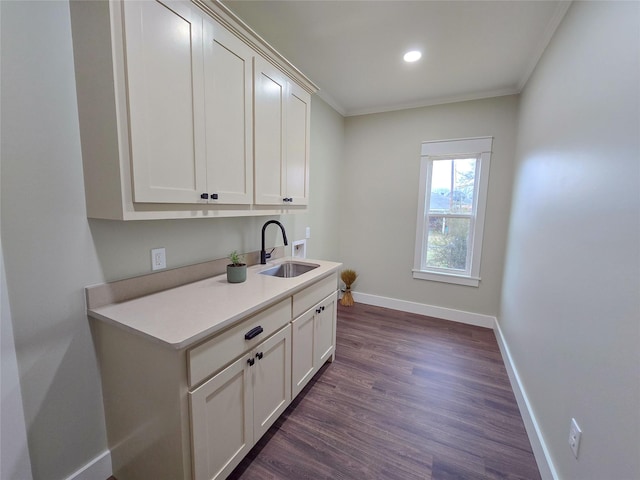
{"x":209,"y":357}
{"x":307,"y":298}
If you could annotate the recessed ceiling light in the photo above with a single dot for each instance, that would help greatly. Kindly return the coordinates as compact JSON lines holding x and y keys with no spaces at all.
{"x":412,"y":56}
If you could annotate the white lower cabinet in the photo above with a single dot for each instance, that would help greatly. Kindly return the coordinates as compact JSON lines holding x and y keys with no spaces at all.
{"x":231,"y":411}
{"x":222,"y":421}
{"x":194,"y":413}
{"x":313,"y":340}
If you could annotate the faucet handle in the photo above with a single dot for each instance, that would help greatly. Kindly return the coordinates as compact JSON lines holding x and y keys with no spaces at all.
{"x":267,"y":255}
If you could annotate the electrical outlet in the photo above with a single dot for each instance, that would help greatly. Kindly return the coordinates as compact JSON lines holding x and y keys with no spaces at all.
{"x":158,"y":259}
{"x":575,"y":434}
{"x":308,"y":232}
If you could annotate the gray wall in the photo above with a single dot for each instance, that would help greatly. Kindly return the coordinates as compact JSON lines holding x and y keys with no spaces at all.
{"x":49,"y":254}
{"x":52,"y":251}
{"x":571,"y":302}
{"x":381,"y":171}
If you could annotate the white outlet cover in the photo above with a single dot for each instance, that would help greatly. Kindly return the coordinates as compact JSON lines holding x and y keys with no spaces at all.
{"x":299,"y":249}
{"x":158,"y":259}
{"x":575,"y":434}
{"x":307,"y":232}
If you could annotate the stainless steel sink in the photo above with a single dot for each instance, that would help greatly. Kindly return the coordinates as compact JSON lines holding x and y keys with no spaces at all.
{"x":289,"y":269}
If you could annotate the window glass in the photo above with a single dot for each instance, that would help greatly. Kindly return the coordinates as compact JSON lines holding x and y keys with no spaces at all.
{"x":448,"y":239}
{"x":452,"y":185}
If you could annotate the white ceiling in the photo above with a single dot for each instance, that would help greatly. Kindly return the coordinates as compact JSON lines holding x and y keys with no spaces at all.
{"x":353,"y":49}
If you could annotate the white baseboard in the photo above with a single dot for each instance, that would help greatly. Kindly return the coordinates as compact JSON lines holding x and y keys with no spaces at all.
{"x":461,"y":316}
{"x":540,"y":450}
{"x":99,"y":468}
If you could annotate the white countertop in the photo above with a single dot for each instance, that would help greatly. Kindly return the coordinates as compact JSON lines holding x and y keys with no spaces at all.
{"x":182,"y":316}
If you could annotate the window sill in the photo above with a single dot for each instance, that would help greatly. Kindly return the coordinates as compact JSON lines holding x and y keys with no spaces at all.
{"x":446,"y":278}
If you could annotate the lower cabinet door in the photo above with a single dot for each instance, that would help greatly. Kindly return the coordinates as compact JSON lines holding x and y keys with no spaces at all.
{"x":232,"y":410}
{"x":325,"y":330}
{"x":302,"y":359}
{"x":222,"y":421}
{"x":271,"y":380}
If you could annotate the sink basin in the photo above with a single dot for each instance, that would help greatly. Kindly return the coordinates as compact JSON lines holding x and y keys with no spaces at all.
{"x":289,"y":269}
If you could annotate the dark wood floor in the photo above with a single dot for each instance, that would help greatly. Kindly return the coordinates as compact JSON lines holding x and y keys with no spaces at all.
{"x":408,"y":397}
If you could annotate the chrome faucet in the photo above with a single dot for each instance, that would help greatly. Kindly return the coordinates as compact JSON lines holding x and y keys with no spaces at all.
{"x":264,"y":256}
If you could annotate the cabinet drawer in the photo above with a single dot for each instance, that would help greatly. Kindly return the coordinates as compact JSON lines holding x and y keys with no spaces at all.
{"x":209,"y":357}
{"x":307,"y":298}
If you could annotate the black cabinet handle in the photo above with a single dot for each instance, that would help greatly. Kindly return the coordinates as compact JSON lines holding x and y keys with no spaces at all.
{"x":254,"y":332}
{"x":259,"y":355}
{"x":204,"y":196}
{"x":251,"y":361}
{"x":318,"y":310}
{"x":322,"y":308}
{"x":214,"y":196}
{"x":287,"y":199}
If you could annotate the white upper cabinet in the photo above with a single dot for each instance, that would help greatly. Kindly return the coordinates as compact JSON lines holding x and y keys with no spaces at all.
{"x":166,"y":105}
{"x":228,"y":63}
{"x":298,"y":115}
{"x":270,"y":94}
{"x":282,"y":115}
{"x":163,"y":42}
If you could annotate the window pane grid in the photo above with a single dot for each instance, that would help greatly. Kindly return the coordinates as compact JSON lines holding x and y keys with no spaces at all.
{"x":453,"y":199}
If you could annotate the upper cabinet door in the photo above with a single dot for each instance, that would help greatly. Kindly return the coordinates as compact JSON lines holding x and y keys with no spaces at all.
{"x":270,"y":94}
{"x":298,"y":116}
{"x":163,"y":44}
{"x":228,"y":77}
{"x":282,"y":116}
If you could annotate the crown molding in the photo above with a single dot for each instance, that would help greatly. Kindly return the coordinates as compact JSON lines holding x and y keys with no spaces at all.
{"x":433,"y":101}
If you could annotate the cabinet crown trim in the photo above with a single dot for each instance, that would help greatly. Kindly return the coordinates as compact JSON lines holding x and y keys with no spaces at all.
{"x":231,"y":21}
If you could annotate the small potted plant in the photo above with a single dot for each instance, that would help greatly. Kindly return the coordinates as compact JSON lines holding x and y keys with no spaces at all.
{"x":237,"y":269}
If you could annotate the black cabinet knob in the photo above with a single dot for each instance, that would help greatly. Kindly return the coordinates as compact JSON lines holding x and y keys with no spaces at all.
{"x":251,"y":361}
{"x":204,"y":196}
{"x":322,"y":308}
{"x":214,"y":196}
{"x":259,"y":355}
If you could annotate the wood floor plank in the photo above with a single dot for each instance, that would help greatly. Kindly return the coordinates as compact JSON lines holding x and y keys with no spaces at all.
{"x":408,"y":397}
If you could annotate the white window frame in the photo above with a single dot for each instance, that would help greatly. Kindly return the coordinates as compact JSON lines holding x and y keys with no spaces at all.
{"x":479,"y":148}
